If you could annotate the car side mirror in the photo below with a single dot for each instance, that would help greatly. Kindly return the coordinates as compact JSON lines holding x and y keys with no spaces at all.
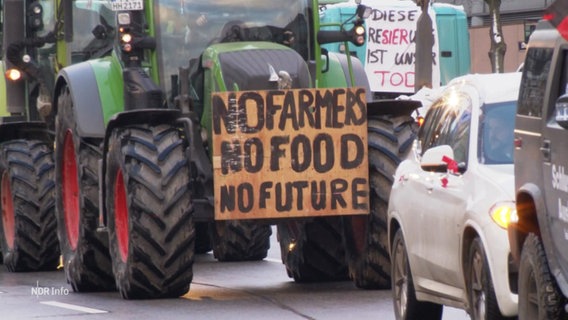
{"x":562,"y":111}
{"x":441,"y":159}
{"x":433,"y":158}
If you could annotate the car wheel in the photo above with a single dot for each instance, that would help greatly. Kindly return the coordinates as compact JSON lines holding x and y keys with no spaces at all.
{"x":539,"y":296}
{"x":481,"y":294}
{"x":406,"y":306}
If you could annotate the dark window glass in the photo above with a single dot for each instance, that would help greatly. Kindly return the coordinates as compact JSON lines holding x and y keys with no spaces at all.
{"x":560,"y":110}
{"x":496,"y":133}
{"x":533,"y":85}
{"x":428,"y":132}
{"x":448,"y":122}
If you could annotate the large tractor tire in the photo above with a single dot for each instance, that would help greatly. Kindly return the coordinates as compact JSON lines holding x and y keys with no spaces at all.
{"x":150,"y":213}
{"x":540,"y":297}
{"x":366,"y":239}
{"x":240,"y":240}
{"x":27,"y":194}
{"x":313,"y":250}
{"x":86,"y":258}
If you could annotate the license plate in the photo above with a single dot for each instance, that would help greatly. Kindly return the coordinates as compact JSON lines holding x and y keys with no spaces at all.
{"x":125,"y":5}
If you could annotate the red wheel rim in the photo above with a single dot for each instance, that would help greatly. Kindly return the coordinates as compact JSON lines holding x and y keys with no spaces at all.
{"x":70,"y":190}
{"x":121,"y":216}
{"x":359,"y":232}
{"x":8,"y":218}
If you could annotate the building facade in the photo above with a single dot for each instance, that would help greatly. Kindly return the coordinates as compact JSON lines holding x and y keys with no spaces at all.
{"x":518,"y":19}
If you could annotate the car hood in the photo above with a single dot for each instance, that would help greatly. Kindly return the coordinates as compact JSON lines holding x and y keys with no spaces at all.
{"x":502,"y":176}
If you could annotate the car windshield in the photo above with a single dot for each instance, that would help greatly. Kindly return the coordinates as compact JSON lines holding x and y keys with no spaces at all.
{"x":185,"y":28}
{"x":496,"y":133}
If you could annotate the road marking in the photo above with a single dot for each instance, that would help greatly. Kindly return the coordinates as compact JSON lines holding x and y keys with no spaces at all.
{"x":273,"y":260}
{"x":72,"y":307}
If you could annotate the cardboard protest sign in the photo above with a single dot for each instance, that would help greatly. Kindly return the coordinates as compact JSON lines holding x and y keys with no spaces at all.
{"x":290,"y":153}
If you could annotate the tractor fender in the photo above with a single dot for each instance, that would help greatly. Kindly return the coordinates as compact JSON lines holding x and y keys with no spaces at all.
{"x":359,"y":74}
{"x":82,"y":83}
{"x":392,"y":107}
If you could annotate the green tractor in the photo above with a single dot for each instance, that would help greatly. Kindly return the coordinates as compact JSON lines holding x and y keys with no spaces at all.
{"x":28,"y":233}
{"x":35,"y":46}
{"x":196,"y":125}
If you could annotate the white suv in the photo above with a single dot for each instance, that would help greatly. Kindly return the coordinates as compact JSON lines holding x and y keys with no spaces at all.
{"x":451,"y":201}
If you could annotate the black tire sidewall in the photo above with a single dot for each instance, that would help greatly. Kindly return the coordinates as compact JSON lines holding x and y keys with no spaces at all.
{"x":398,"y":239}
{"x":240,"y":240}
{"x":151,"y":269}
{"x":7,"y":252}
{"x":533,"y":262}
{"x":64,"y":122}
{"x":114,"y":163}
{"x":389,"y":139}
{"x":477,"y":246}
{"x":415,"y":309}
{"x":317,"y":252}
{"x":44,"y":253}
{"x":87,"y":267}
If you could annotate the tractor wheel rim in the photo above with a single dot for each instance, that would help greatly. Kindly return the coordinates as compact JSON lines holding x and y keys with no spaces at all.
{"x":70,"y":190}
{"x":8,"y":218}
{"x":121,"y":216}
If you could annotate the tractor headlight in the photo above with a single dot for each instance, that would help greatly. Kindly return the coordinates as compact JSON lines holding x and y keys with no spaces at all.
{"x":13,"y":74}
{"x":124,"y":18}
{"x":358,"y":34}
{"x":126,"y":38}
{"x":35,"y":16}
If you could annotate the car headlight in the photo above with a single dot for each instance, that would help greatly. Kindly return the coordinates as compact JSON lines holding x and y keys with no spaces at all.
{"x":503,"y":213}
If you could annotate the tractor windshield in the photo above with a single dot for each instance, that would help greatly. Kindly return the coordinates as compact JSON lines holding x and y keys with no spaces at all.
{"x":93,"y":27}
{"x":185,"y":28}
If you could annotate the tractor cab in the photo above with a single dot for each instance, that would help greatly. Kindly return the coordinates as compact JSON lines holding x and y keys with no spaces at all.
{"x":201,"y":35}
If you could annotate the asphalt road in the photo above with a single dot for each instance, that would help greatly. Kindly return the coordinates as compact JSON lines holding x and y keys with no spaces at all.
{"x":243,"y":290}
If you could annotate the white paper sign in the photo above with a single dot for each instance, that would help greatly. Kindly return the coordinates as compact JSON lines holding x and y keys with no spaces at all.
{"x":391,"y":48}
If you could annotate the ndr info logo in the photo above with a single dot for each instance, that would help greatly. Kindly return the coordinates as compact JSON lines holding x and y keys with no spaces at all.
{"x":49,"y":291}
